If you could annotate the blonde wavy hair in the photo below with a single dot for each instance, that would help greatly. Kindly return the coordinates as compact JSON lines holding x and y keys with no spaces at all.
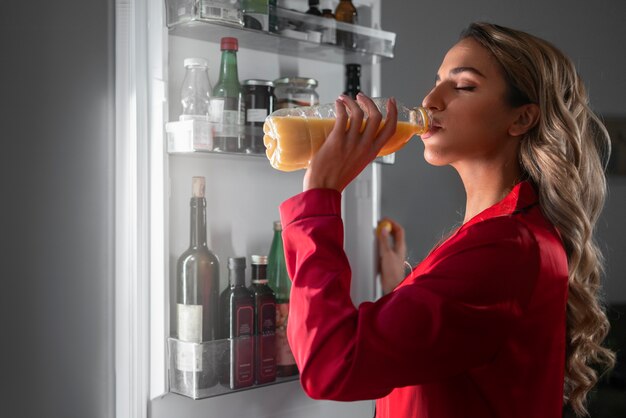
{"x":565,"y":156}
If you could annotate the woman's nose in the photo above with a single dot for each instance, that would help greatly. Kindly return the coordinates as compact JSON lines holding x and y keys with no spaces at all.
{"x":433,"y":100}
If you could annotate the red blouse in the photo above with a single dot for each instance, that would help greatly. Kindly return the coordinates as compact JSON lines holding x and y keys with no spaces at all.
{"x":476,"y":330}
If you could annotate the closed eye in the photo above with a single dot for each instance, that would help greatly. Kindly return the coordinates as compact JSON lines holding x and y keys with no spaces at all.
{"x":466,"y":88}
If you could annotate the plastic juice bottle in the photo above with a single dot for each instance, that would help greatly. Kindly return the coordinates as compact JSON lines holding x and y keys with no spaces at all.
{"x":293,"y":136}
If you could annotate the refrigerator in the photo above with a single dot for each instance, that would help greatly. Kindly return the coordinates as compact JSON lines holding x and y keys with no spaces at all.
{"x":243,"y":192}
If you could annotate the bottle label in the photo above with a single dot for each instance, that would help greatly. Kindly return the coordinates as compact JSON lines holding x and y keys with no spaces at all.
{"x":267,"y":342}
{"x":188,"y":357}
{"x":256,"y":115}
{"x":284,"y":356}
{"x":244,"y":346}
{"x":226,"y":116}
{"x":245,"y":321}
{"x":190,"y":323}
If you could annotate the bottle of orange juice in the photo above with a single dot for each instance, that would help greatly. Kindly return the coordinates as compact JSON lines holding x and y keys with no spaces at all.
{"x":293,"y":136}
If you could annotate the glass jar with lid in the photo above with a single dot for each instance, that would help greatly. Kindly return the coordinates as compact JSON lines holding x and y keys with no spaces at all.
{"x":259,"y":98}
{"x":295,"y":92}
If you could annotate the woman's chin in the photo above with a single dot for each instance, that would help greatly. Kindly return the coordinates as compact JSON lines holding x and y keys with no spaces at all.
{"x":435,"y":158}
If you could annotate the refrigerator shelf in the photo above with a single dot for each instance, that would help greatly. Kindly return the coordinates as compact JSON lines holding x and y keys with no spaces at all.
{"x":202,"y":370}
{"x":194,"y":137}
{"x":299,"y":34}
{"x":190,"y":136}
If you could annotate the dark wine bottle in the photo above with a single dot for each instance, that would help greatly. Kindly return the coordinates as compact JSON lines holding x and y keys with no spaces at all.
{"x":264,"y":322}
{"x":197,"y":294}
{"x":237,"y":308}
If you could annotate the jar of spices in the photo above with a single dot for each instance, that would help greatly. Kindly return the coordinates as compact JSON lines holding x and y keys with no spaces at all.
{"x":295,"y":92}
{"x":259,"y":98}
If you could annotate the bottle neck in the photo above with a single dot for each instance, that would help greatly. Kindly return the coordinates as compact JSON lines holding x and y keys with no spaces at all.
{"x":353,"y":85}
{"x":237,"y":277}
{"x":259,"y":273}
{"x":198,"y":222}
{"x":228,"y":68}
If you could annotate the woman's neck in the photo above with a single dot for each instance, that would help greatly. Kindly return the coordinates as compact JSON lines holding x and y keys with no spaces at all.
{"x":486,"y":184}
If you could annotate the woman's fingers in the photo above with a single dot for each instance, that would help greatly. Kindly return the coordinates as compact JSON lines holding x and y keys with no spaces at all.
{"x":341,"y":120}
{"x":390,"y":125}
{"x":374,"y":117}
{"x":356,"y":118}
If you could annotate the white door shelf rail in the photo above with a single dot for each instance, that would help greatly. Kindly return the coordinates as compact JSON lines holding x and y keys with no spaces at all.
{"x":186,"y":19}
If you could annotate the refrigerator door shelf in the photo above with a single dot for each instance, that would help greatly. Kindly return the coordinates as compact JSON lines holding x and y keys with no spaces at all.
{"x":223,"y":12}
{"x":205,"y":370}
{"x":196,"y":136}
{"x":189,"y":136}
{"x":299,"y":35}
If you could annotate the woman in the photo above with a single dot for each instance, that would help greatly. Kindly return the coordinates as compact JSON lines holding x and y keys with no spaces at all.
{"x":500,"y":320}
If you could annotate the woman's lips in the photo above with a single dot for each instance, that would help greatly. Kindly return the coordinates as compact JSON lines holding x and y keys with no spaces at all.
{"x":433,"y":130}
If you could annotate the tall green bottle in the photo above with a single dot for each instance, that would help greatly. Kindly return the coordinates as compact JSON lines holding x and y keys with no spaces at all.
{"x":279,"y":281}
{"x":226,"y":111}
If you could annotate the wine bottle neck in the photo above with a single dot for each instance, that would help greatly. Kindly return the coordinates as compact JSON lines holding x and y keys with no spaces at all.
{"x":237,"y":277}
{"x":198,"y":222}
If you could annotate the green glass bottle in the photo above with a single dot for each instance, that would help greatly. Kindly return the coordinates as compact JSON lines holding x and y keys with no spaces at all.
{"x":226,"y":111}
{"x":279,"y":281}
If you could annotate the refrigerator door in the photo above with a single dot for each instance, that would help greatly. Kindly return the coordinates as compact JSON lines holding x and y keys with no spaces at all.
{"x":243,"y":193}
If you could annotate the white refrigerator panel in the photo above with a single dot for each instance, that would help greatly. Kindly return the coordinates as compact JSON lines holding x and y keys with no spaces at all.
{"x":243,"y":194}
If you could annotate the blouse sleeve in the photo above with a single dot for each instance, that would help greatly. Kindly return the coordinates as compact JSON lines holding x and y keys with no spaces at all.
{"x":453,"y":318}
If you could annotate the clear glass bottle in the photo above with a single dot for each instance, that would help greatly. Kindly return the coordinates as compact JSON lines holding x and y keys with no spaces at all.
{"x":264,"y":322}
{"x":237,"y":324}
{"x":279,"y":281}
{"x":293,"y":136}
{"x":227,"y":109}
{"x":353,"y":80}
{"x":195,"y":92}
{"x":197,"y":294}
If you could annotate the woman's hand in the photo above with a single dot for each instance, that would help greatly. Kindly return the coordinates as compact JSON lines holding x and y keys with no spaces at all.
{"x":346,"y":152}
{"x":391,"y":254}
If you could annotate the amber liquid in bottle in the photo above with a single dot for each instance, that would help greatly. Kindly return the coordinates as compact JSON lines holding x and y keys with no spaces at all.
{"x":292,"y":137}
{"x":346,"y":12}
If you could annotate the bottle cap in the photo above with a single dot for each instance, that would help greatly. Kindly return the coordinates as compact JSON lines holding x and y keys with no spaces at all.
{"x":278,"y":226}
{"x":259,"y":259}
{"x":197,"y":187}
{"x":195,"y":62}
{"x":236,"y":263}
{"x":256,"y":82}
{"x":229,"y":44}
{"x":297,"y":81}
{"x":314,"y":2}
{"x":353,"y":68}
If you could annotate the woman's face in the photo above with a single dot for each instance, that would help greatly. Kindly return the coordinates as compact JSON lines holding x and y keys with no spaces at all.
{"x":471,"y":118}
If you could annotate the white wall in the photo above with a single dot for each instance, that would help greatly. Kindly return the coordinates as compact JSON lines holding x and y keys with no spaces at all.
{"x":428,"y":200}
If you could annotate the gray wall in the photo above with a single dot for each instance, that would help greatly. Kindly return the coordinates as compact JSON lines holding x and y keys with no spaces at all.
{"x":57,"y":129}
{"x":429,"y":201}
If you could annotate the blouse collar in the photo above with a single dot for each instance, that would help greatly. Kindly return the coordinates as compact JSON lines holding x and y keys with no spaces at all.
{"x":519,"y":199}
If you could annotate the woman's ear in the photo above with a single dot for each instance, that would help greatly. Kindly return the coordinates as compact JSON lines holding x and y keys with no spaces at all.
{"x":527,"y":118}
